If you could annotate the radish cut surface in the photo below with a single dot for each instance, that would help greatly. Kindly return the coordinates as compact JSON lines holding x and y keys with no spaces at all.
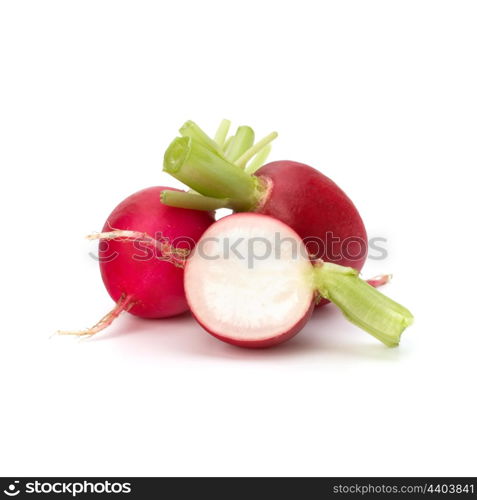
{"x":249,"y":280}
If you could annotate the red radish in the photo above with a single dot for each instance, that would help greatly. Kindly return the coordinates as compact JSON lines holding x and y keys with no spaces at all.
{"x":250,"y":282}
{"x":317,"y":209}
{"x":142,"y":252}
{"x":305,"y":199}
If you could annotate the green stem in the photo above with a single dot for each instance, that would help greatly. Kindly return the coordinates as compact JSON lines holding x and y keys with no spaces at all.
{"x":211,"y":175}
{"x":250,"y":153}
{"x":192,"y":130}
{"x":241,"y":142}
{"x":362,"y":304}
{"x":221,"y":134}
{"x":227,"y":143}
{"x":259,"y":159}
{"x":193,"y":201}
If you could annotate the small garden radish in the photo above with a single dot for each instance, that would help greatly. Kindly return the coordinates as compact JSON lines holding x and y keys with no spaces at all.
{"x":142,"y":252}
{"x":250,"y":282}
{"x":295,"y":193}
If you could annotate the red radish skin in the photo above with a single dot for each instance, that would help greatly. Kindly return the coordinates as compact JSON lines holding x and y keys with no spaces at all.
{"x":155,"y":287}
{"x":314,"y":206}
{"x":262,"y":344}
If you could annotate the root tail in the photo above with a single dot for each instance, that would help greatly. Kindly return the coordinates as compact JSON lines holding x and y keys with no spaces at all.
{"x":124,"y":303}
{"x":176,"y":256}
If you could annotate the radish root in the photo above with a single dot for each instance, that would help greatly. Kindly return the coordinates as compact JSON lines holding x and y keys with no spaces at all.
{"x":169,"y":253}
{"x":124,"y":303}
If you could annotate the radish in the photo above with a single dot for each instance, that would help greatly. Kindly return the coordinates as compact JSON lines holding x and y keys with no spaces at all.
{"x":297,"y":194}
{"x":250,"y":282}
{"x":142,"y":252}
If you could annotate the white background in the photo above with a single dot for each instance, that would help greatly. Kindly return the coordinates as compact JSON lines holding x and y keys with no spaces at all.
{"x":379,"y":95}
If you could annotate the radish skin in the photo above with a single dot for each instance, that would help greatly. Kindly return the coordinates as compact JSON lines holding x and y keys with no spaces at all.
{"x":155,"y":285}
{"x":316,"y":208}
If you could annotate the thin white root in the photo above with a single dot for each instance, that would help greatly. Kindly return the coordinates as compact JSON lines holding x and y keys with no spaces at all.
{"x":124,"y":303}
{"x":176,"y":256}
{"x":116,"y":234}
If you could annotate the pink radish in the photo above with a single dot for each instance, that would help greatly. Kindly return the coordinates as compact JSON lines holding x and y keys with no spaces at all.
{"x":142,"y":252}
{"x":305,"y":199}
{"x":250,"y":282}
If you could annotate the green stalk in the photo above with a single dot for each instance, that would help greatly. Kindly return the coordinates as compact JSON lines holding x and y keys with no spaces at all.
{"x":241,"y":142}
{"x":250,"y":153}
{"x":221,"y":134}
{"x":362,"y":304}
{"x":227,"y":143}
{"x":192,"y":130}
{"x":259,"y":159}
{"x":193,"y":201}
{"x":211,"y":175}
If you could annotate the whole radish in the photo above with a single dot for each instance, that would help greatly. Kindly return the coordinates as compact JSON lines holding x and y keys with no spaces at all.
{"x":142,"y":254}
{"x":297,"y":194}
{"x":250,"y":282}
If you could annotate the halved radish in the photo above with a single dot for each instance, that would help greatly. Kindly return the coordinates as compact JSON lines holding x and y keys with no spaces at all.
{"x":250,"y":282}
{"x":254,"y":303}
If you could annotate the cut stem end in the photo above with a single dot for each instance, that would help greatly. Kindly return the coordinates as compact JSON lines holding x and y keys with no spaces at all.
{"x":361,"y":303}
{"x":209,"y":174}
